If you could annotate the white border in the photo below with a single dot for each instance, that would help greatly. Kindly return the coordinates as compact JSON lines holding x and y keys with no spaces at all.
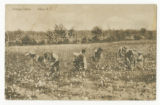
{"x":81,"y":1}
{"x":2,"y":42}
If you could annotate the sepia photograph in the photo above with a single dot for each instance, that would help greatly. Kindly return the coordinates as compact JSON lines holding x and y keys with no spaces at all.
{"x":80,"y":51}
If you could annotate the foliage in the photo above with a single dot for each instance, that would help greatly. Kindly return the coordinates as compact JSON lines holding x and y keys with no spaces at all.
{"x":60,"y":35}
{"x":96,"y":31}
{"x":28,"y":41}
{"x":137,"y":37}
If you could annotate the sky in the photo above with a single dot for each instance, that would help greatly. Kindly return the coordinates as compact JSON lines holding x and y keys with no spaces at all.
{"x":80,"y":17}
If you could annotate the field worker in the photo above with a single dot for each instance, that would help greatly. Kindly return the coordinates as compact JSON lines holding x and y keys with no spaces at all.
{"x":127,"y":56}
{"x":51,"y":60}
{"x":122,"y":51}
{"x":36,"y":59}
{"x":130,"y":58}
{"x":39,"y":58}
{"x":31,"y":55}
{"x":80,"y":61}
{"x":97,"y":54}
{"x":140,"y":59}
{"x":97,"y":57}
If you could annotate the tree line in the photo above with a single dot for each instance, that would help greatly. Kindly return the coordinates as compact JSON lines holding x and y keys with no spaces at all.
{"x":60,"y":35}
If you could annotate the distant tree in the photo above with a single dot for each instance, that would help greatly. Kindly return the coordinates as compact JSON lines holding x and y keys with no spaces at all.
{"x":58,"y":35}
{"x":154,"y":34}
{"x":112,"y":38}
{"x":122,"y":34}
{"x":118,"y":36}
{"x":51,"y":36}
{"x":42,"y":42}
{"x":60,"y":31}
{"x":71,"y":32}
{"x":96,"y":31}
{"x":84,"y":40}
{"x":151,"y":35}
{"x":18,"y":32}
{"x":137,"y":37}
{"x":143,"y":31}
{"x":26,"y":40}
{"x":65,"y":41}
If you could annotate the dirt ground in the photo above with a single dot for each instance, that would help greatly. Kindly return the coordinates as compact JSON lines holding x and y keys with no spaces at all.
{"x":112,"y":81}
